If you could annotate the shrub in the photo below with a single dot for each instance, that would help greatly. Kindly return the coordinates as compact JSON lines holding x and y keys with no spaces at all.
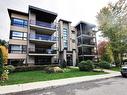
{"x":29,"y":68}
{"x":4,"y":53}
{"x":63,"y":64}
{"x":96,"y":65}
{"x":1,"y":64}
{"x":51,"y":69}
{"x":86,"y":65}
{"x":4,"y":75}
{"x":10,"y":68}
{"x":104,"y":65}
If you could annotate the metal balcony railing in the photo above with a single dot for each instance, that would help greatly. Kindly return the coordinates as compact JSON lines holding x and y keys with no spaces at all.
{"x":87,"y":53}
{"x":87,"y":43}
{"x":43,"y":24}
{"x":42,"y":51}
{"x":43,"y":37}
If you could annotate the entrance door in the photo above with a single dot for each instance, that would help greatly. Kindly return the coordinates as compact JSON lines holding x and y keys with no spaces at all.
{"x":69,"y":60}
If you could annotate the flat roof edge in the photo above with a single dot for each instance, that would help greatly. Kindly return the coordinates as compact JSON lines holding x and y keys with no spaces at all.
{"x":65,"y":20}
{"x":16,"y":11}
{"x":85,"y":23}
{"x":36,"y":8}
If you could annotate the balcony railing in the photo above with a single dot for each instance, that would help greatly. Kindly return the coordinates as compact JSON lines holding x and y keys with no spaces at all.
{"x":43,"y":24}
{"x":87,"y":43}
{"x":87,"y":53}
{"x":88,"y":33}
{"x":42,"y":51}
{"x":43,"y":37}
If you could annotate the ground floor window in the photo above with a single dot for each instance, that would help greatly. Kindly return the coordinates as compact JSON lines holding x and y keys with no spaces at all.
{"x":42,"y":60}
{"x":17,"y":48}
{"x":69,"y":60}
{"x":16,"y":62}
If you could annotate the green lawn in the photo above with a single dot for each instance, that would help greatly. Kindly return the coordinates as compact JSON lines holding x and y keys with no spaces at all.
{"x":115,"y":68}
{"x":34,"y":76}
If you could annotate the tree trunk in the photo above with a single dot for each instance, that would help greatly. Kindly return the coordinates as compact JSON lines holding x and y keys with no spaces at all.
{"x":116,"y":59}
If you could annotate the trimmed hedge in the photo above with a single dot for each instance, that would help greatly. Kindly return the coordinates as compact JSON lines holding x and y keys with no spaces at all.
{"x":86,"y":65}
{"x":11,"y":68}
{"x":104,"y":65}
{"x":31,"y":68}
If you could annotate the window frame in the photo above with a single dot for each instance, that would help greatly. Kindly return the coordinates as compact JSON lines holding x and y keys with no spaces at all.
{"x":18,"y":37}
{"x":24,"y":24}
{"x":21,"y":49}
{"x":65,"y":36}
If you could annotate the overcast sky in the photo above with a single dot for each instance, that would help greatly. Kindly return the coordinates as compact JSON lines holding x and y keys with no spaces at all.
{"x":72,"y":10}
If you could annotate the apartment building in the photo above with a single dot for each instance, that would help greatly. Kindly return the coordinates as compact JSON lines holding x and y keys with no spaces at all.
{"x":33,"y":37}
{"x":86,"y":41}
{"x":36,"y":38}
{"x":67,"y":42}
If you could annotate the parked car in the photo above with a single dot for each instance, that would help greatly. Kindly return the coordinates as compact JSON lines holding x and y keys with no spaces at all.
{"x":124,"y":71}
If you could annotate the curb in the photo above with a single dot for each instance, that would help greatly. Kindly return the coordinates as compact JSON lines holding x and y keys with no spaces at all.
{"x":29,"y":87}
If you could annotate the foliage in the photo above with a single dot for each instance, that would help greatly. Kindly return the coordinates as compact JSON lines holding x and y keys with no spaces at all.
{"x":3,"y":72}
{"x":3,"y":43}
{"x":105,"y":52}
{"x":29,"y":68}
{"x":96,"y":65}
{"x":86,"y":65}
{"x":112,"y":22}
{"x":50,"y":69}
{"x":34,"y":76}
{"x":10,"y":68}
{"x":104,"y":65}
{"x":101,"y":47}
{"x":1,"y":63}
{"x":5,"y":54}
{"x":4,"y":75}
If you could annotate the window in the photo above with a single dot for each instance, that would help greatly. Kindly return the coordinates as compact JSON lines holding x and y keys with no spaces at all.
{"x":65,"y":37}
{"x":19,"y":22}
{"x":18,"y":35}
{"x":17,"y":48}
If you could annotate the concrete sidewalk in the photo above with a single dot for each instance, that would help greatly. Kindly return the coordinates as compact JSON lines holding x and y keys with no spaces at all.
{"x":54,"y":83}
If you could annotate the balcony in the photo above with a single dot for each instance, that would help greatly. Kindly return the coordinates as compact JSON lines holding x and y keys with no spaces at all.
{"x":42,"y":52}
{"x":47,"y":28}
{"x":43,"y":39}
{"x":87,"y":53}
{"x":86,"y":34}
{"x":87,"y":44}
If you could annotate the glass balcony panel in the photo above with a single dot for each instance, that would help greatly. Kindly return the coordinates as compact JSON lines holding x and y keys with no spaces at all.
{"x":42,"y":51}
{"x":43,"y":24}
{"x":43,"y":37}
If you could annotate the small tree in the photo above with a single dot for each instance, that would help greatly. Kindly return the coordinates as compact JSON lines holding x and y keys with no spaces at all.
{"x":112,"y":21}
{"x":105,"y":52}
{"x":4,"y":51}
{"x":1,"y":63}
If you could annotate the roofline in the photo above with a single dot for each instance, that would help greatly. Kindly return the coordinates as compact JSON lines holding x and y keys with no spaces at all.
{"x":64,"y":20}
{"x":43,"y":10}
{"x":85,"y":23}
{"x":13,"y":11}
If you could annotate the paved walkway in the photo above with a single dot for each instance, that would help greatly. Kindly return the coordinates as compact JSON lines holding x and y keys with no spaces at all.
{"x":54,"y":83}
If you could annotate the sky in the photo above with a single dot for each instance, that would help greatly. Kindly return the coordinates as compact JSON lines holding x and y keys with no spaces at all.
{"x":71,"y":10}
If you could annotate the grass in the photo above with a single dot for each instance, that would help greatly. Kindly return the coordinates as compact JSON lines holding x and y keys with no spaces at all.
{"x":34,"y":76}
{"x":115,"y":68}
